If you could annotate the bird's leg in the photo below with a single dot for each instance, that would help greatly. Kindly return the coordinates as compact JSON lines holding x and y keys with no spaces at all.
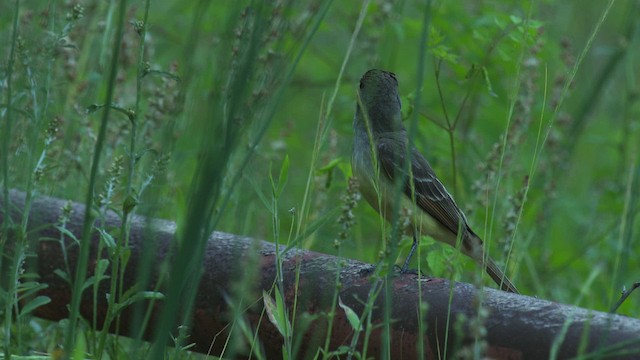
{"x":405,"y":267}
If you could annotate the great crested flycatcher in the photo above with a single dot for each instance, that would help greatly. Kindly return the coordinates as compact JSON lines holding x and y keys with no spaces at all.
{"x":381,"y":158}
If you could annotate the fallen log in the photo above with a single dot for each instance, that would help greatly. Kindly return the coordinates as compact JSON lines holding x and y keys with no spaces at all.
{"x":517,"y":326}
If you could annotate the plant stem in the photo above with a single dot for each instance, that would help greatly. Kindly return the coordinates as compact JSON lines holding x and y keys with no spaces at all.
{"x":83,"y":257}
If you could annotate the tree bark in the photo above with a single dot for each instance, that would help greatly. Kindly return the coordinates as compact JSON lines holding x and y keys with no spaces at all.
{"x":517,"y":327}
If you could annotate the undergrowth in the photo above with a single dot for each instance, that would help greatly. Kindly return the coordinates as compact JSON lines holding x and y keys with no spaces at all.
{"x":236,"y":117}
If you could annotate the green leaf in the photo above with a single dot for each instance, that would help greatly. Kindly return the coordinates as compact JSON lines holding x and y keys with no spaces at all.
{"x":81,"y":347}
{"x":130,"y":292}
{"x":139,"y":296}
{"x":276,"y":312}
{"x":34,"y":304}
{"x":129,"y":204}
{"x":107,"y":238}
{"x":276,"y":189}
{"x":472,"y":72}
{"x":252,"y":181}
{"x":328,"y":171}
{"x":315,"y":225}
{"x":282,"y":311}
{"x":27,"y":285}
{"x":101,"y":268}
{"x":93,"y":108}
{"x":272,"y":311}
{"x":444,"y":52}
{"x":330,"y":166}
{"x":353,"y":318}
{"x":342,"y":350}
{"x":65,"y":231}
{"x":487,"y":82}
{"x":284,"y":175}
{"x":408,"y":102}
{"x":435,"y":37}
{"x":30,"y":288}
{"x":125,"y":256}
{"x":63,"y":275}
{"x":271,"y":181}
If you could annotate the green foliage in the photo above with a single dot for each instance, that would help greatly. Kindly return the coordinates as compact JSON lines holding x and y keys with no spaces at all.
{"x":528,"y":112}
{"x":277,"y":312}
{"x":351,"y":316}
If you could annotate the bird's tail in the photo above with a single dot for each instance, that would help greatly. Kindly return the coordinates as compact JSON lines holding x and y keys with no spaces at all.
{"x":499,"y":277}
{"x":472,"y":247}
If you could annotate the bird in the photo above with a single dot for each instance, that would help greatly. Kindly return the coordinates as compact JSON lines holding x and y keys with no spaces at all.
{"x":381,"y":158}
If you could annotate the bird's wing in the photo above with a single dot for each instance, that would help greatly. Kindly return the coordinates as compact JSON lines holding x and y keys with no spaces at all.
{"x":430,"y":194}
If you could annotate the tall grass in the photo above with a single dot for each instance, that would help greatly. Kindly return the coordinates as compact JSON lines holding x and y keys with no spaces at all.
{"x":164,"y":108}
{"x":11,"y":269}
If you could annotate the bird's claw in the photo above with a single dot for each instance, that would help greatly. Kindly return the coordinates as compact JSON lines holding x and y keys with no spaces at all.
{"x":404,"y":270}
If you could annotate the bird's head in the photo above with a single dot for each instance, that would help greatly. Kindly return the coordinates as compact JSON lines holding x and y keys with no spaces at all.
{"x":379,"y":101}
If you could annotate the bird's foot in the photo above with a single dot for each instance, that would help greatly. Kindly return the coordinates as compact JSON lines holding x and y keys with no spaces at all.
{"x":405,"y":270}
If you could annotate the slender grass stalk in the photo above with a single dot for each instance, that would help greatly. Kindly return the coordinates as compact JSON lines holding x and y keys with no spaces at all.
{"x":560,"y":336}
{"x":537,"y":148}
{"x":626,"y":227}
{"x":230,"y":109}
{"x":595,"y":91}
{"x":503,"y":147}
{"x":325,"y":121}
{"x":86,"y":61}
{"x":271,"y":111}
{"x":33,"y":163}
{"x":391,"y":249}
{"x":205,"y":188}
{"x":269,"y":115}
{"x":9,"y":301}
{"x":424,"y":39}
{"x":277,"y":98}
{"x":567,"y":84}
{"x":41,"y":98}
{"x":40,"y":110}
{"x":304,"y":211}
{"x":322,"y":132}
{"x":83,"y":257}
{"x":375,"y":290}
{"x":118,"y":264}
{"x":565,"y":89}
{"x":133,"y":156}
{"x":294,"y":306}
{"x":451,"y":126}
{"x":7,"y":133}
{"x":144,"y":274}
{"x":285,"y":326}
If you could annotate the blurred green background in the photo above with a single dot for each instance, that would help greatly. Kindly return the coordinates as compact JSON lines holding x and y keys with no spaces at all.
{"x":498,"y":112}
